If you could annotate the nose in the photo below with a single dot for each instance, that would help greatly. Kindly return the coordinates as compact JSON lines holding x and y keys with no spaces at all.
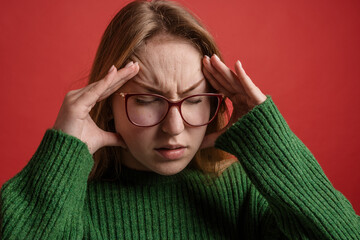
{"x":173,"y":123}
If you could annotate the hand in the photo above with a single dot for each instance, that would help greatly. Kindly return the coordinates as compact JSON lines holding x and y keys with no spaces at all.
{"x":74,"y":118}
{"x":237,"y":86}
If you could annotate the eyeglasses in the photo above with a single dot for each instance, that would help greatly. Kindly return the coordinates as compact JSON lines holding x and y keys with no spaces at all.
{"x":147,"y":110}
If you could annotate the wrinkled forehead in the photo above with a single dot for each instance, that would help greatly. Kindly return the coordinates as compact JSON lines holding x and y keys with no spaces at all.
{"x":159,"y":42}
{"x":169,"y":64}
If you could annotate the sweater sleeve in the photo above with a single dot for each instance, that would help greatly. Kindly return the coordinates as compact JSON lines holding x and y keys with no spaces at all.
{"x":300,"y":198}
{"x":40,"y":201}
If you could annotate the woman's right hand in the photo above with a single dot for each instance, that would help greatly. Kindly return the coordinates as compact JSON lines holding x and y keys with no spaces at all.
{"x":74,"y":118}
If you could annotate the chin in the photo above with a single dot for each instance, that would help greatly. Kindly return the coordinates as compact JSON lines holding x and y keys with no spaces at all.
{"x":169,"y":168}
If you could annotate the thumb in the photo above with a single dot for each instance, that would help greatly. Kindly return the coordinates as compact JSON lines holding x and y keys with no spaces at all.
{"x":113,"y":139}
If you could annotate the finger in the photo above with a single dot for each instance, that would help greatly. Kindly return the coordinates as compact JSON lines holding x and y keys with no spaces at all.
{"x":214,"y":83}
{"x":216,"y":75}
{"x":243,"y":77}
{"x":89,"y":96}
{"x":77,"y":93}
{"x":115,"y":77}
{"x":250,"y":88}
{"x":109,"y":77}
{"x":98,"y":91}
{"x":225,"y":72}
{"x":228,"y":75}
{"x":113,"y":139}
{"x":119,"y":84}
{"x":221,"y":79}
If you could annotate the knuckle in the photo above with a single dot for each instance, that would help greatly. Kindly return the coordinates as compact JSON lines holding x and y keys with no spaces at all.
{"x":74,"y":107}
{"x":107,"y":79}
{"x":69,"y":94}
{"x":67,"y":100}
{"x":91,"y":92}
{"x":77,"y":110}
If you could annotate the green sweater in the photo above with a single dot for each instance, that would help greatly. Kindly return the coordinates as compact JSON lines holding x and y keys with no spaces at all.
{"x":276,"y":190}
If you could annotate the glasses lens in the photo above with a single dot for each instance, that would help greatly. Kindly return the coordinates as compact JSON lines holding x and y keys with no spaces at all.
{"x":148,"y":110}
{"x":199,"y":110}
{"x":144,"y":110}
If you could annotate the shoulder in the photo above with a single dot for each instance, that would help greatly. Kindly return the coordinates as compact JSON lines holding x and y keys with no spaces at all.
{"x":235,"y":177}
{"x":232,"y":174}
{"x":224,"y":164}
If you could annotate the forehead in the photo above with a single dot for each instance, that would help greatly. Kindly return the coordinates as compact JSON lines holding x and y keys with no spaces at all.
{"x":160,"y":42}
{"x":168,"y":63}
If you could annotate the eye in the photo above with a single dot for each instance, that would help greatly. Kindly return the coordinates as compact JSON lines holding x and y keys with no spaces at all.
{"x":144,"y":100}
{"x":194,"y":100}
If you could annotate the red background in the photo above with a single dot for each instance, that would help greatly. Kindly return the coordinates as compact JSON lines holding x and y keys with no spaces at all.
{"x":303,"y":53}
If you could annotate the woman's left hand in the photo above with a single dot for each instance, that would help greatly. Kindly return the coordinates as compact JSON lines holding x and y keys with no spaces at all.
{"x":237,"y":86}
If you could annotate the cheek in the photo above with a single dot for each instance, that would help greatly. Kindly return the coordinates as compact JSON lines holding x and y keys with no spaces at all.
{"x":137,"y":136}
{"x":196,"y":136}
{"x":131,"y":134}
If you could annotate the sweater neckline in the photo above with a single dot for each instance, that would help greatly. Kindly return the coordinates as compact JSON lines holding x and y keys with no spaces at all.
{"x":132,"y":176}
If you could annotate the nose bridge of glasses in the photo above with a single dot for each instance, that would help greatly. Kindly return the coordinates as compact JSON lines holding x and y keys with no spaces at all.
{"x":171,"y":106}
{"x":173,"y":122}
{"x":176,"y":104}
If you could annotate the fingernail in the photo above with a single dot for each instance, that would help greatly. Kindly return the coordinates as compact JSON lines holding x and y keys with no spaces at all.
{"x":216,"y":56}
{"x":129,"y":64}
{"x":239,"y":63}
{"x":207,"y":58}
{"x":111,"y":69}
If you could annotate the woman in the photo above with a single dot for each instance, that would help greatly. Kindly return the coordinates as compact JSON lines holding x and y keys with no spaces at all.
{"x":130,"y":154}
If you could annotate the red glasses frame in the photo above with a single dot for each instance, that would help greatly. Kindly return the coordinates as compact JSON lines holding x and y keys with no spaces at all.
{"x":171,"y":104}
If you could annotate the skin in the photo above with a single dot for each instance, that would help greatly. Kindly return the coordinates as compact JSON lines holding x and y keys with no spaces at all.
{"x":169,"y":64}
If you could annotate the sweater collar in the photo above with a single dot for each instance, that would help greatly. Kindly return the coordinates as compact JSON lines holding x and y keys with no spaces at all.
{"x":132,"y":176}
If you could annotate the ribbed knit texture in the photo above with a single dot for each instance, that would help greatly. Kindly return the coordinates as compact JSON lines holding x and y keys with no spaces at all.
{"x":276,"y":190}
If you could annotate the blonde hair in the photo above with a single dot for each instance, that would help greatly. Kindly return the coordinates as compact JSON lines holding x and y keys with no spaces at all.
{"x":133,"y":24}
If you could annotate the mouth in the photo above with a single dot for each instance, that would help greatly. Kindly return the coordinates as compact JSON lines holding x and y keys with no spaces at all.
{"x":171,"y":152}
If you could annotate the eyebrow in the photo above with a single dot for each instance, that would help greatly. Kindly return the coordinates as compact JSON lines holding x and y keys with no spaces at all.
{"x":154,"y":90}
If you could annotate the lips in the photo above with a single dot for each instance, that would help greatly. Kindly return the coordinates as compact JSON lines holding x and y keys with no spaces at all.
{"x":171,"y":152}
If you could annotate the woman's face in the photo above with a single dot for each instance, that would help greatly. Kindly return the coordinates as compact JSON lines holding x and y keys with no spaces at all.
{"x":171,"y":67}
